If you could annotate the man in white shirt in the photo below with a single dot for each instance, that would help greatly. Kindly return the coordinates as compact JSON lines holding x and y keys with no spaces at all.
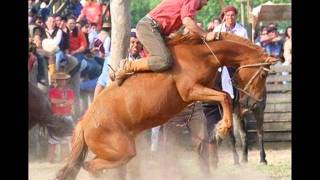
{"x":229,"y":24}
{"x":211,"y":110}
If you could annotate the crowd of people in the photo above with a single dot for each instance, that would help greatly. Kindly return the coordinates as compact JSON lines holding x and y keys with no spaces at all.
{"x":74,"y":51}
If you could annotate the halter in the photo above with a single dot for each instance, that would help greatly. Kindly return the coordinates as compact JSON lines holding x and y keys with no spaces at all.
{"x":244,"y":90}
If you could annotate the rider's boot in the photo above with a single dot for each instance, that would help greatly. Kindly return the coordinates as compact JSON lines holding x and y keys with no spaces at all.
{"x":127,"y":68}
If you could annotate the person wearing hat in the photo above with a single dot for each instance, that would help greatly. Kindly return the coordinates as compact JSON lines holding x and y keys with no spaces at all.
{"x":274,"y":43}
{"x":229,"y":24}
{"x":164,"y":19}
{"x":61,"y":98}
{"x":211,"y":110}
{"x":102,"y":44}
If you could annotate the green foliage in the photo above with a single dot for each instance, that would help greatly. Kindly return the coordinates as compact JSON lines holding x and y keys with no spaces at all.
{"x":140,"y":8}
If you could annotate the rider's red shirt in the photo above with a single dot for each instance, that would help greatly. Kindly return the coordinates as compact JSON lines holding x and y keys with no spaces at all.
{"x":169,"y":13}
{"x":58,"y":93}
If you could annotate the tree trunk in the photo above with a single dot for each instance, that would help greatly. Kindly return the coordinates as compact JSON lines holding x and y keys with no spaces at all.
{"x":120,"y":21}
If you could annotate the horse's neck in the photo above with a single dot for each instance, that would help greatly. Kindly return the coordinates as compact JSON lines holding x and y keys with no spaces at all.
{"x":233,"y":54}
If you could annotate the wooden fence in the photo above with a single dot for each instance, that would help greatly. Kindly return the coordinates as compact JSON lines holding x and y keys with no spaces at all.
{"x":277,"y":117}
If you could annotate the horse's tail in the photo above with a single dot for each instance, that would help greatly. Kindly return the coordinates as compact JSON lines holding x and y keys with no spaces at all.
{"x":77,"y":155}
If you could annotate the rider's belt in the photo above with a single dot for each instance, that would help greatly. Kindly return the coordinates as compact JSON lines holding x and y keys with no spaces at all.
{"x":154,"y":23}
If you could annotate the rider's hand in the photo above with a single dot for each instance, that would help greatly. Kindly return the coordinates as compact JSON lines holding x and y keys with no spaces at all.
{"x":210,"y":36}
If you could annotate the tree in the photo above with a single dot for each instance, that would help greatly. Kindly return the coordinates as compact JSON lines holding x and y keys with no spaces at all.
{"x":120,"y":22}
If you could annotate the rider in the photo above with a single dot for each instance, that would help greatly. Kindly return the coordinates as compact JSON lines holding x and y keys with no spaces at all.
{"x":166,"y":18}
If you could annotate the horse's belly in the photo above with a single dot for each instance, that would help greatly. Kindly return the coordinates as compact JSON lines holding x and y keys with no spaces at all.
{"x":148,"y":102}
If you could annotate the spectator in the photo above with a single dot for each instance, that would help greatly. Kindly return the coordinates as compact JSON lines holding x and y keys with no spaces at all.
{"x":75,"y":8}
{"x":102,"y":44}
{"x":273,"y":25}
{"x":84,"y":28}
{"x":77,"y":47}
{"x":93,"y":34}
{"x":37,"y":27}
{"x":54,"y":41}
{"x":211,"y":110}
{"x":92,"y":12}
{"x":229,"y":24}
{"x":44,"y":58}
{"x":44,"y":10}
{"x":61,"y":24}
{"x":135,"y":49}
{"x":287,"y":47}
{"x":77,"y":40}
{"x":57,"y":20}
{"x":263,"y":35}
{"x":61,"y":98}
{"x":287,"y":50}
{"x":273,"y":43}
{"x":214,"y":23}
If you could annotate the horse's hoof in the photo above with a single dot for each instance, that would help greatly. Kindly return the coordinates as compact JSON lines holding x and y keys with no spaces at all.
{"x":244,"y":161}
{"x":264,"y":162}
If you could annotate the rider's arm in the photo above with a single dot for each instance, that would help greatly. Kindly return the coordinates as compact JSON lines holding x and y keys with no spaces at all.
{"x":192,"y":26}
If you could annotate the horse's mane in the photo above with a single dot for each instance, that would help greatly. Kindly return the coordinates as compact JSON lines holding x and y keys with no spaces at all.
{"x":192,"y":38}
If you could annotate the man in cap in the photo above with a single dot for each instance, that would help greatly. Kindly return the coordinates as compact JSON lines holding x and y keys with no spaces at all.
{"x":61,"y":98}
{"x":211,"y":110}
{"x":164,"y":19}
{"x":229,"y":24}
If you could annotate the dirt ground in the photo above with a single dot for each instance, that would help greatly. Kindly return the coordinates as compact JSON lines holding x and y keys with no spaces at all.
{"x":185,"y":167}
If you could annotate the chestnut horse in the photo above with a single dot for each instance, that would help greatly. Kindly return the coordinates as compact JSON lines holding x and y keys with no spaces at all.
{"x":147,"y":100}
{"x":40,"y":113}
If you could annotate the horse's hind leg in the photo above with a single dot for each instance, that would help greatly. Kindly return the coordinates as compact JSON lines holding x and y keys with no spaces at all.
{"x":113,"y":149}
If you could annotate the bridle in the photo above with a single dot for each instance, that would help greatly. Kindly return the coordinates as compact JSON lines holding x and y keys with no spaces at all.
{"x":258,"y":72}
{"x":246,"y":87}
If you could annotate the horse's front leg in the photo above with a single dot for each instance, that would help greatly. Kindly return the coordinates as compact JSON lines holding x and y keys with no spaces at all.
{"x":259,"y":118}
{"x":201,"y":93}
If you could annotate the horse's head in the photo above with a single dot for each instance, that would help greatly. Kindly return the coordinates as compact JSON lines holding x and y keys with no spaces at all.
{"x":230,"y":50}
{"x":252,"y":66}
{"x":250,"y":80}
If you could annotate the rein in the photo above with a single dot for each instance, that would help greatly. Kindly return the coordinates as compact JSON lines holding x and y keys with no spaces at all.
{"x":204,"y":41}
{"x":261,"y":68}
